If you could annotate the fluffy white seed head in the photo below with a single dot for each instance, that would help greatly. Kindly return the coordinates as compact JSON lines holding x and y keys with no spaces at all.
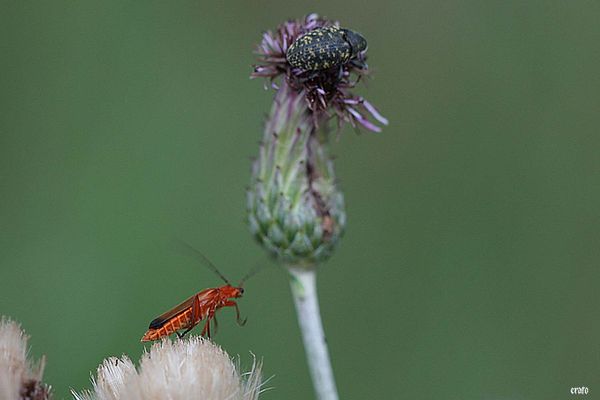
{"x":112,"y":376}
{"x":194,"y":368}
{"x":19,"y":378}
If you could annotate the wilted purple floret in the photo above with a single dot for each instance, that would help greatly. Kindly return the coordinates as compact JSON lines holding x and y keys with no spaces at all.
{"x":327,"y":92}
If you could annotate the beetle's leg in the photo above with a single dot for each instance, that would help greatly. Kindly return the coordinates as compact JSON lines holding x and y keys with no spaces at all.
{"x":196,"y":311}
{"x":358,"y":63}
{"x":240,"y":321}
{"x":194,"y":316}
{"x":341,"y":72}
{"x":181,"y":335}
{"x":206,"y":330}
{"x":216,"y":325}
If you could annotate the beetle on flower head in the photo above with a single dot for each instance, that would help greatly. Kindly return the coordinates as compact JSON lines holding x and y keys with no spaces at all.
{"x":324,"y":48}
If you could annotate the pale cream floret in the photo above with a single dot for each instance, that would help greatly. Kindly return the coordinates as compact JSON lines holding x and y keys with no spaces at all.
{"x":193,"y":368}
{"x":15,"y":369}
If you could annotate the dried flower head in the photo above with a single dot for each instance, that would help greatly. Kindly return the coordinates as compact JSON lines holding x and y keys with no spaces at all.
{"x":112,"y":374}
{"x":327,"y":91}
{"x":20,"y":379}
{"x":193,"y":368}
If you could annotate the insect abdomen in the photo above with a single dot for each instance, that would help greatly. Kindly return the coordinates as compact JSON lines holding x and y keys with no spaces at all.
{"x":158,"y":330}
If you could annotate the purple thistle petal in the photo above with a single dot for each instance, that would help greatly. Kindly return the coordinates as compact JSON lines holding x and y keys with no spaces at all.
{"x":374,"y":112}
{"x":363,"y":121}
{"x":268,"y":41}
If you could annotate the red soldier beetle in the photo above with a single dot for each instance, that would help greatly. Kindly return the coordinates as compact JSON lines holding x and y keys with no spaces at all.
{"x":201,"y":306}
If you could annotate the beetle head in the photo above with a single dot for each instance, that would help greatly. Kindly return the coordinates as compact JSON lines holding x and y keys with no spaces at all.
{"x":357,"y":42}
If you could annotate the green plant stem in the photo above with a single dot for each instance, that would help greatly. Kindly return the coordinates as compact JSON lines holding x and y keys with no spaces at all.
{"x":303,"y":282}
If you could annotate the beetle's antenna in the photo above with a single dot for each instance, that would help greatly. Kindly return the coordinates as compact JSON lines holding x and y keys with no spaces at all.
{"x":207,"y":262}
{"x":250,"y":274}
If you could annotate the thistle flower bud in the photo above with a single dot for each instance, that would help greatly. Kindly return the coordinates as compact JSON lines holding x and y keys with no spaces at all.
{"x":19,"y":378}
{"x":295,"y":209}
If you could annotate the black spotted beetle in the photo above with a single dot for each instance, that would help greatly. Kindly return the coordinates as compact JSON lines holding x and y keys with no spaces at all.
{"x":324,"y":48}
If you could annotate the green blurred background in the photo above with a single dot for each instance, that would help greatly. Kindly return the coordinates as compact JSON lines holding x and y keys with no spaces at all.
{"x":470,"y":265}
